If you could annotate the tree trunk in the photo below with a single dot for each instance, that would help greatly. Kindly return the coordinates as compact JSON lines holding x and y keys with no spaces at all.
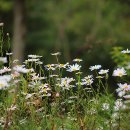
{"x":19,"y":30}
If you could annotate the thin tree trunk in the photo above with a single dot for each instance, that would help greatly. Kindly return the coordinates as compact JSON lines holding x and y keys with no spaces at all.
{"x":19,"y":30}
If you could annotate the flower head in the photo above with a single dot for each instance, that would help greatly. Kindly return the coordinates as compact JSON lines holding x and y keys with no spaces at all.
{"x":119,"y":105}
{"x":4,"y":70}
{"x":125,"y":51}
{"x":4,"y":81}
{"x":50,"y":67}
{"x":22,"y":69}
{"x":62,"y":65}
{"x":74,"y":67}
{"x":31,"y":60}
{"x":88,"y":80}
{"x":77,"y":60}
{"x":34,"y":56}
{"x":124,"y":87}
{"x":103,"y":71}
{"x":3,"y":59}
{"x":127,"y":96}
{"x":65,"y":82}
{"x":95,"y":67}
{"x":105,"y":106}
{"x":3,"y":84}
{"x":37,"y":77}
{"x":119,"y":72}
{"x":1,"y":24}
{"x":8,"y":54}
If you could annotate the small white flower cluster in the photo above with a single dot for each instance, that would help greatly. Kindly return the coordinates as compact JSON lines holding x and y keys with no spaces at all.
{"x":44,"y":90}
{"x":100,"y":73}
{"x":69,"y":68}
{"x":33,"y":58}
{"x":105,"y":106}
{"x":103,"y":71}
{"x":65,"y":83}
{"x":36,"y":77}
{"x":88,"y":80}
{"x":119,"y":105}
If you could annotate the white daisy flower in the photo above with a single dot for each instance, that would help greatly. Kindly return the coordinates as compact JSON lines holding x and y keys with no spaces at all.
{"x":3,"y":59}
{"x":34,"y":56}
{"x":50,"y":67}
{"x":124,"y":87}
{"x":74,"y":67}
{"x":88,"y":77}
{"x":62,"y":65}
{"x":125,"y":51}
{"x":8,"y":54}
{"x":77,"y":60}
{"x":44,"y":90}
{"x":4,"y":81}
{"x":121,"y":93}
{"x":119,"y":72}
{"x":7,"y":78}
{"x":119,"y":105}
{"x":127,"y":96}
{"x":22,"y":69}
{"x":37,"y":77}
{"x":87,"y":81}
{"x":3,"y":84}
{"x":95,"y":67}
{"x":103,"y":71}
{"x":1,"y":24}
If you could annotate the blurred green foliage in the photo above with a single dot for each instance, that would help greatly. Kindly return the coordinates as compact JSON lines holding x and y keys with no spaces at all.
{"x":5,"y":5}
{"x":120,"y":59}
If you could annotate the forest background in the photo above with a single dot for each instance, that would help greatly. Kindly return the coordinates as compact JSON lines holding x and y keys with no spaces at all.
{"x":86,"y":29}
